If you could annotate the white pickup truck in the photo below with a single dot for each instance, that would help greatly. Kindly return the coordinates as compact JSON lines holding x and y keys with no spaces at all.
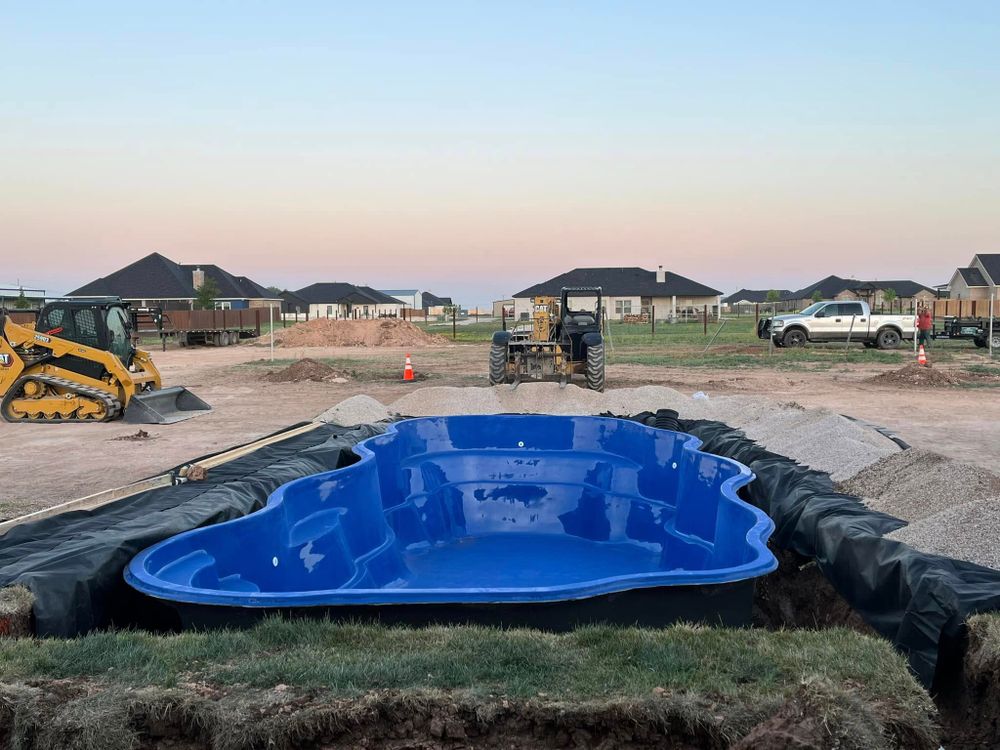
{"x":838,"y":321}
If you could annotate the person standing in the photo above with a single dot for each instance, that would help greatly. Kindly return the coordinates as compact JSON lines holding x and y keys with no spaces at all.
{"x":925,"y":323}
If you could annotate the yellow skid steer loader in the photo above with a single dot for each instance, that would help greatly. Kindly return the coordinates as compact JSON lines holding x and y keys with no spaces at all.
{"x":78,"y":363}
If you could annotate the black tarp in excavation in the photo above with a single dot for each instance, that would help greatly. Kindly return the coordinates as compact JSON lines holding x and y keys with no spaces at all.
{"x":918,"y":601}
{"x":73,"y":562}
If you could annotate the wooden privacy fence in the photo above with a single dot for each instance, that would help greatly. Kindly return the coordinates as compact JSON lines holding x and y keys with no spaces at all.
{"x":964,"y":308}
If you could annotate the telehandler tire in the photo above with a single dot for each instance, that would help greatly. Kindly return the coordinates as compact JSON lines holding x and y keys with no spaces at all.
{"x":595,"y":367}
{"x":498,"y":364}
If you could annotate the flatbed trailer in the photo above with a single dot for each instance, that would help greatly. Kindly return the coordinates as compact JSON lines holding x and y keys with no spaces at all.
{"x":194,"y":327}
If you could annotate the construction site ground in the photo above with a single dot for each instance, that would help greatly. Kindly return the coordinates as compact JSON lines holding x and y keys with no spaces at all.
{"x":959,"y":421}
{"x":810,"y":674}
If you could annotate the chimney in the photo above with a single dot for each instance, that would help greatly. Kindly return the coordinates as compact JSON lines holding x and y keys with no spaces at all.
{"x":661,"y":275}
{"x":197,"y":278}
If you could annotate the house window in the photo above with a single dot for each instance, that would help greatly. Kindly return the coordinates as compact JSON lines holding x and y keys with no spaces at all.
{"x":623,"y":307}
{"x":224,"y":305}
{"x":329,"y":311}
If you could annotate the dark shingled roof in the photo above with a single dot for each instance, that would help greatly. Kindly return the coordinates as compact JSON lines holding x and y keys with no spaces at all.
{"x":157,"y":277}
{"x":831,"y":286}
{"x":973,"y":276}
{"x":902,"y":287}
{"x":379,"y":297}
{"x":621,"y":282}
{"x":230,"y":287}
{"x":755,"y":295}
{"x":340,"y":292}
{"x":991,"y":262}
{"x":432,"y":300}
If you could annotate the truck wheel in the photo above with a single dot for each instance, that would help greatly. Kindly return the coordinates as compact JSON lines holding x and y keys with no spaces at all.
{"x":595,"y":367}
{"x":980,"y":342}
{"x":793,"y":338}
{"x":996,"y":342}
{"x":888,"y":339}
{"x":498,"y":364}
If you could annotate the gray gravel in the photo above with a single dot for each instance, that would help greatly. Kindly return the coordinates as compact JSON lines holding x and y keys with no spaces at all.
{"x":915,"y":484}
{"x":970,"y":531}
{"x":355,"y":410}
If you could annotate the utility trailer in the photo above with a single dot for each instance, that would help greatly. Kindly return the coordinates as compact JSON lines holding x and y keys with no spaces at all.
{"x":194,"y":327}
{"x":977,"y":329}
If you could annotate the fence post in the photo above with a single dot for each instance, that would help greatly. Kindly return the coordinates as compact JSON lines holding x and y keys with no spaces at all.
{"x":704,"y":319}
{"x":454,"y":331}
{"x":652,"y":320}
{"x":991,"y":327}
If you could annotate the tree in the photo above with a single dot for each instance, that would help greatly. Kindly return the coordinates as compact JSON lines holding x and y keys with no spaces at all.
{"x":274,"y":291}
{"x":817,"y":297}
{"x":21,"y":303}
{"x":207,"y":292}
{"x":889,"y":296}
{"x":774,"y":296}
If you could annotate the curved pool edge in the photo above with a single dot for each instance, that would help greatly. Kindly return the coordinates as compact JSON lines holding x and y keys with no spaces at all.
{"x":138,"y":577}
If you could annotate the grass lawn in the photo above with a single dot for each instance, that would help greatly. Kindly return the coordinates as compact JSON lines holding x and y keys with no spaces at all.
{"x":736,"y":346}
{"x":729,"y":680}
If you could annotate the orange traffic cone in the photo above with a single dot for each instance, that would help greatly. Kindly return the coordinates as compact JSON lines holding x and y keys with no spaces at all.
{"x":922,"y":357}
{"x":408,"y":369}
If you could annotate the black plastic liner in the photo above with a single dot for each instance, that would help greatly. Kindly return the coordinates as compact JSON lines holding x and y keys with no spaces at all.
{"x":73,"y":562}
{"x":918,"y":601}
{"x":720,"y":604}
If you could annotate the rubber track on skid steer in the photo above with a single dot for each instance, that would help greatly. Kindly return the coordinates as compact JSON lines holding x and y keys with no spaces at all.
{"x":113,"y":405}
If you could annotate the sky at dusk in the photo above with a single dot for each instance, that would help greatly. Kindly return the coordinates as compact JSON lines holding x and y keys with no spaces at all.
{"x":475,"y":148}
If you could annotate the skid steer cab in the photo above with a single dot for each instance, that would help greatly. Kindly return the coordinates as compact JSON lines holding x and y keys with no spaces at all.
{"x":78,"y":363}
{"x":563,"y":338}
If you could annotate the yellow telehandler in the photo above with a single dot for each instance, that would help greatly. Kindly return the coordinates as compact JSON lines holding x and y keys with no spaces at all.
{"x":77,"y":363}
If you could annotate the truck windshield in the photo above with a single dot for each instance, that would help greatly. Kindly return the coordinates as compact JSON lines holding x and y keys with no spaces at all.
{"x":812,"y":308}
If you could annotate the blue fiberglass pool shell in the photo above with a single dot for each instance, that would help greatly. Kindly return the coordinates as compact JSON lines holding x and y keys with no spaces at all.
{"x":479,"y":509}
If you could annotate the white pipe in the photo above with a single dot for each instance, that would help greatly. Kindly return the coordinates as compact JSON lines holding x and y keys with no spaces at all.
{"x":270,"y":322}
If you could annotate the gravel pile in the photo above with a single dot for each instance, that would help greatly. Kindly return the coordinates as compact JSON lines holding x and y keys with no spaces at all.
{"x":965,"y":532}
{"x":354,"y":411}
{"x":915,"y":484}
{"x":446,"y":400}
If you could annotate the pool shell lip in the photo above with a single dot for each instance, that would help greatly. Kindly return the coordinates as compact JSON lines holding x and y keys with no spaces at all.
{"x":138,"y":576}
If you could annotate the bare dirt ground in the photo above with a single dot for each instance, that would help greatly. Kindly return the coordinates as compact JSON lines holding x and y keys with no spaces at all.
{"x":43,"y":465}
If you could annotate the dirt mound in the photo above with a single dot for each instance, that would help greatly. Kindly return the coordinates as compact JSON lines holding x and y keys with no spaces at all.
{"x":303,"y":369}
{"x":381,"y":332}
{"x":914,"y":374}
{"x":136,"y":437}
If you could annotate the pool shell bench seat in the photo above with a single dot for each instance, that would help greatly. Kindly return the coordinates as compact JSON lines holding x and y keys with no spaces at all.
{"x":539,"y":520}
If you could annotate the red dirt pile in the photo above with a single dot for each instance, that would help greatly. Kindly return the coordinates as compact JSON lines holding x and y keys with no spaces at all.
{"x":380,"y":332}
{"x":303,"y":369}
{"x":914,"y":374}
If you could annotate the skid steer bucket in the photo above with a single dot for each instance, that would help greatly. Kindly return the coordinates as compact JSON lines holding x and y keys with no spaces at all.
{"x":164,"y":406}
